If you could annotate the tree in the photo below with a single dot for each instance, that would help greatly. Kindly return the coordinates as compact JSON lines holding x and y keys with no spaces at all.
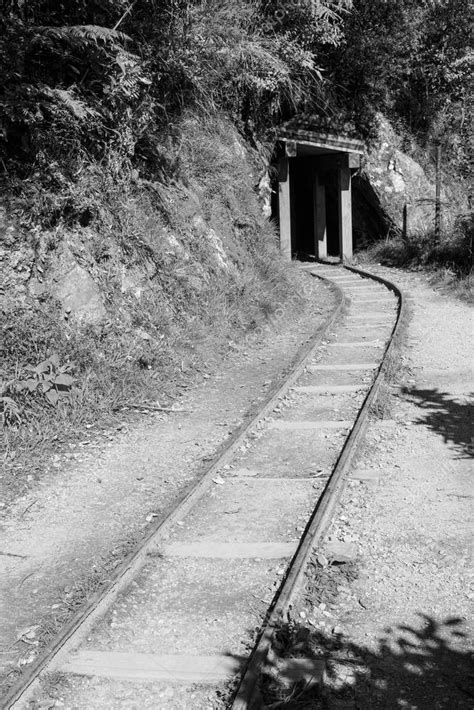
{"x":410,"y":61}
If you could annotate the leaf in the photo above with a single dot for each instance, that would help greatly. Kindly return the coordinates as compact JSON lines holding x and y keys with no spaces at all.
{"x":52,"y":396}
{"x":31,"y":384}
{"x":10,"y":411}
{"x":64,"y":380}
{"x":78,"y":108}
{"x":28,"y":658}
{"x":54,"y":360}
{"x":81,"y":36}
{"x":28,"y":633}
{"x":46,"y":386}
{"x":42,"y":367}
{"x":65,"y":368}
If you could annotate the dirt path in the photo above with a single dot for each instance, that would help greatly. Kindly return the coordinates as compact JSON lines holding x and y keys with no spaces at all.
{"x":61,"y":541}
{"x":395,"y":621}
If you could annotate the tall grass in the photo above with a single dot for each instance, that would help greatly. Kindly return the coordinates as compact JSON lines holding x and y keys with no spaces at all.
{"x":448,"y":260}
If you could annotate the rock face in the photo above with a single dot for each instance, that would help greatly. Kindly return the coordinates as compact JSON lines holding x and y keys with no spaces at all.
{"x":16,"y":262}
{"x":76,"y":290}
{"x":29,"y":272}
{"x":394,"y":195}
{"x":399,"y":181}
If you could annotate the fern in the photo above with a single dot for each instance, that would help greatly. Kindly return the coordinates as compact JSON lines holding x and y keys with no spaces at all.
{"x":10,"y":411}
{"x":65,"y":97}
{"x":82,"y":36}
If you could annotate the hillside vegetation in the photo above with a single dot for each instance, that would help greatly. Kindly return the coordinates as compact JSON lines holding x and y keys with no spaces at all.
{"x":135,"y":149}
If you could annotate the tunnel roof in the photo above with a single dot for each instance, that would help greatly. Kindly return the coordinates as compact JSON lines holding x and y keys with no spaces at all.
{"x":312,"y":138}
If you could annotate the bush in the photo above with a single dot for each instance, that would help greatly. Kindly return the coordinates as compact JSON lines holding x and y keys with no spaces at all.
{"x":450,"y":259}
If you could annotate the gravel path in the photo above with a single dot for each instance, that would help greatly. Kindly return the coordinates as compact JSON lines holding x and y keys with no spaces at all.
{"x":395,"y":621}
{"x":393,"y":617}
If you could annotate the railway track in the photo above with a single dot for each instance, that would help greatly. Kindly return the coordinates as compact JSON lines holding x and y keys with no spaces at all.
{"x":189,"y":620}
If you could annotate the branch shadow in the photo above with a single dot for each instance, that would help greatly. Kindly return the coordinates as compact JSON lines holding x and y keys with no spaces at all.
{"x":446,"y":416}
{"x":420,"y":668}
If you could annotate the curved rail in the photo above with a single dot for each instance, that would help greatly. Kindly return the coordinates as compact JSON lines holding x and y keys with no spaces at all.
{"x":80,"y":625}
{"x":245,"y":697}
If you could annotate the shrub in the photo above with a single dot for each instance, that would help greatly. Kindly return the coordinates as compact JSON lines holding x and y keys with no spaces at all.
{"x":450,"y":259}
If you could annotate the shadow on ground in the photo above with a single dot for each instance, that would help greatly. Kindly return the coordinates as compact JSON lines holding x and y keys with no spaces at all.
{"x":421,"y":668}
{"x":446,"y":416}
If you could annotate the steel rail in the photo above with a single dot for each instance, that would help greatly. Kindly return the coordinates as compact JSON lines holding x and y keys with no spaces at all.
{"x":246,"y":695}
{"x":79,"y":625}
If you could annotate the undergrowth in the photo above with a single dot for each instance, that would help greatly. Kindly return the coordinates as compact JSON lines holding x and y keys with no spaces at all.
{"x":447,"y":260}
{"x":183,"y":269}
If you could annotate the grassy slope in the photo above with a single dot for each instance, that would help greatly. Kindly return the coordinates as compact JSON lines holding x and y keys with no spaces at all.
{"x":208,"y":271}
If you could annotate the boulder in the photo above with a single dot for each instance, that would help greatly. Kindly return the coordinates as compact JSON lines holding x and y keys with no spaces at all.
{"x":393,"y":193}
{"x":75,"y":288}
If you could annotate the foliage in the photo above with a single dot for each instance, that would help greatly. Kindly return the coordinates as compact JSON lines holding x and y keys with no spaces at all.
{"x":449,"y":259}
{"x":183,"y":269}
{"x":412,"y":62}
{"x":106,"y":83}
{"x":78,"y":89}
{"x":49,"y":378}
{"x":10,"y":411}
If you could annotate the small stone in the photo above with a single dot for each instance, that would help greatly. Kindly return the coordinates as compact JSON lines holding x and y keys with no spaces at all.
{"x":322,"y":560}
{"x":341,"y":552}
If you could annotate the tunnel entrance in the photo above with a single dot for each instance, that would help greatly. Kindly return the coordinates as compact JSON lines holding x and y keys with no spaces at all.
{"x":304,"y":173}
{"x":302,"y":233}
{"x":314,"y":193}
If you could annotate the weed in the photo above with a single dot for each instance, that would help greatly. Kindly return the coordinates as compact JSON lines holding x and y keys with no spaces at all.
{"x":449,"y":260}
{"x":53,"y":683}
{"x":49,"y":378}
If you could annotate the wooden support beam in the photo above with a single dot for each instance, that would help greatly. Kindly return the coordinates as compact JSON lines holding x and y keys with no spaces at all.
{"x":149,"y":668}
{"x":345,"y":213}
{"x":335,"y":161}
{"x":320,"y":228}
{"x":325,"y":142}
{"x":284,"y":206}
{"x":316,"y":426}
{"x":231,"y":550}
{"x":328,"y":389}
{"x":323,"y":161}
{"x":343,"y":160}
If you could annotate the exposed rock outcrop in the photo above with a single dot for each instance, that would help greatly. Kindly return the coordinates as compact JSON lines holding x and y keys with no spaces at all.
{"x":394,"y":194}
{"x":75,"y":288}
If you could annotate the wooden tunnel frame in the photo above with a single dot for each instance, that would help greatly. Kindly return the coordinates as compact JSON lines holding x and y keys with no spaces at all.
{"x":326,"y":152}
